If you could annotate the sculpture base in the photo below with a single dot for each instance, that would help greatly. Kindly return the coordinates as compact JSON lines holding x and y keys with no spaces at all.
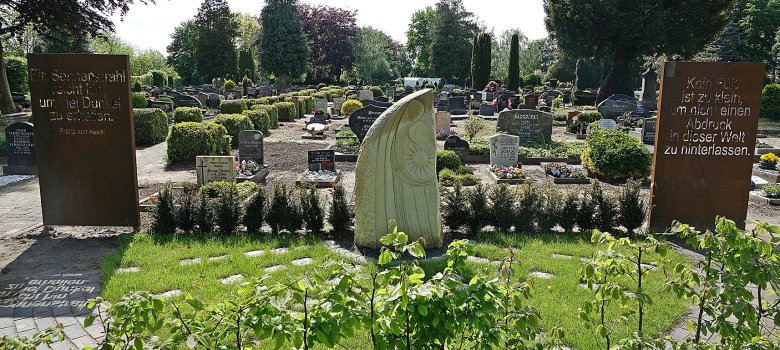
{"x":20,"y":170}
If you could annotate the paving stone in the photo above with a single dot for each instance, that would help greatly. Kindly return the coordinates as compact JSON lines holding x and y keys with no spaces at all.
{"x":185,"y":262}
{"x":254,"y":253}
{"x":66,"y":320}
{"x":280,"y":250}
{"x":8,"y":331}
{"x":231,"y":279}
{"x":170,"y":293}
{"x":274,"y":268}
{"x":45,"y":322}
{"x":84,"y":341}
{"x":63,"y":345}
{"x":24,"y":324}
{"x":302,"y":261}
{"x":75,"y":331}
{"x":130,"y":269}
{"x":478,"y":260}
{"x":332,"y":246}
{"x":542,"y":275}
{"x":95,"y":331}
{"x":218,"y":258}
{"x":42,"y":311}
{"x":561,"y":256}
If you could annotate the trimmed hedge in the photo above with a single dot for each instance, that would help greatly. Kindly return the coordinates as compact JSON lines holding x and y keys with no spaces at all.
{"x":16,"y":70}
{"x":377,"y":91}
{"x":273,"y":115}
{"x":189,"y":139}
{"x":232,"y":106}
{"x":260,"y":119}
{"x":615,"y":155}
{"x":235,"y":124}
{"x":151,"y":126}
{"x":350,"y":106}
{"x":187,"y":114}
{"x":139,"y":101}
{"x":770,"y":102}
{"x":446,"y":159}
{"x":286,"y":111}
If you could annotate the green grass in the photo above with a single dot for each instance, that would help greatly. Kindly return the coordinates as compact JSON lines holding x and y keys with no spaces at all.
{"x":768,"y":122}
{"x":558,"y":299}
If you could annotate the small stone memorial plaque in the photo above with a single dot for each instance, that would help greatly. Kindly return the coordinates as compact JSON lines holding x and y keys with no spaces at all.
{"x":250,"y":146}
{"x":503,"y":149}
{"x":321,"y":104}
{"x":528,"y":124}
{"x":21,"y":146}
{"x":706,"y":139}
{"x":166,"y":106}
{"x":443,"y":120}
{"x":362,"y":119}
{"x":458,"y":145}
{"x":648,"y":131}
{"x":608,"y":124}
{"x":365,"y":95}
{"x":322,"y":159}
{"x":337,"y":103}
{"x":530,"y":101}
{"x":215,"y":168}
{"x":618,"y":105}
{"x":457,"y":105}
{"x":186,"y":101}
{"x":318,"y":119}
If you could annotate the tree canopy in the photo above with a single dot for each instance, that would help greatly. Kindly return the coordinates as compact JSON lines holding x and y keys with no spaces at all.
{"x":215,"y":34}
{"x":453,"y":28}
{"x":283,"y":48}
{"x":330,"y":32}
{"x":418,"y":41}
{"x":181,"y":51}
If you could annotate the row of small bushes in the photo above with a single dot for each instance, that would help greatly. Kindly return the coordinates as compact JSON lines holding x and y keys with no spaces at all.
{"x":530,"y":207}
{"x":188,"y":140}
{"x":225,"y":207}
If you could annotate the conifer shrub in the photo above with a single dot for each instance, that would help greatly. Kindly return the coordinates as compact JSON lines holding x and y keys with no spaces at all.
{"x":340,"y":215}
{"x":454,"y":209}
{"x":227,"y":209}
{"x":312,"y":211}
{"x":568,"y":215}
{"x":502,"y":201}
{"x":254,"y":215}
{"x":607,"y":210}
{"x":551,"y":207}
{"x":633,"y":207}
{"x":204,"y":214}
{"x":527,"y":210}
{"x":477,"y":198}
{"x":586,"y":213}
{"x":164,"y":218}
{"x":186,"y":211}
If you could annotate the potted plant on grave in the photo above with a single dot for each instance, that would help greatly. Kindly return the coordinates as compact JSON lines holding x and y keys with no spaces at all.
{"x":564,"y":173}
{"x":771,"y":191}
{"x":249,"y":170}
{"x":508,"y":173}
{"x":768,"y":161}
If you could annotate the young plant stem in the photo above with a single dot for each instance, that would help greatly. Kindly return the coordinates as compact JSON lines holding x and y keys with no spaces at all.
{"x":373,"y":320}
{"x":238,"y":328}
{"x":639,"y":292}
{"x":700,"y":317}
{"x":305,"y":320}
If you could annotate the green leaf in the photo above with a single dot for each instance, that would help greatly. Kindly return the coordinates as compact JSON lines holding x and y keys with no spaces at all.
{"x":422,"y":310}
{"x":89,"y":320}
{"x":417,"y":250}
{"x":385,"y":257}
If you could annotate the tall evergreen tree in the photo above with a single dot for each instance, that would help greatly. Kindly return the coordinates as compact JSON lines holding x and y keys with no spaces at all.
{"x":181,"y":51}
{"x":480,"y":64}
{"x":419,"y":38}
{"x":513,"y":79}
{"x":283,"y":48}
{"x":449,"y":48}
{"x":246,"y":63}
{"x":215,"y":33}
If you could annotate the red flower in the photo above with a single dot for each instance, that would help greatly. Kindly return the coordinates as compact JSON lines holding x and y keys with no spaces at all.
{"x":324,"y":163}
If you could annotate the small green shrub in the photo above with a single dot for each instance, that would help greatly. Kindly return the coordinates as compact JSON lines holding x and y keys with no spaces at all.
{"x":188,"y":140}
{"x":770,"y":102}
{"x":446,"y":159}
{"x":528,"y":207}
{"x":311,"y":208}
{"x":151,"y":126}
{"x":568,"y":215}
{"x":158,"y":78}
{"x":139,"y":101}
{"x":16,"y":71}
{"x":551,"y":208}
{"x":286,"y":111}
{"x":501,"y":207}
{"x":215,"y":189}
{"x":477,"y":198}
{"x":259,"y":119}
{"x":234,"y":124}
{"x":204,"y":214}
{"x":340,"y":215}
{"x":164,"y":218}
{"x":350,"y":106}
{"x":187,"y":114}
{"x":454,"y":212}
{"x":254,"y":216}
{"x":377,"y":91}
{"x":273,"y":115}
{"x":137,"y":87}
{"x":607,"y":213}
{"x":586,"y":213}
{"x":228,"y":209}
{"x":473,"y":126}
{"x":616,"y":155}
{"x":632,"y":206}
{"x":185,"y":212}
{"x":232,"y":106}
{"x":281,"y":213}
{"x":229,"y":85}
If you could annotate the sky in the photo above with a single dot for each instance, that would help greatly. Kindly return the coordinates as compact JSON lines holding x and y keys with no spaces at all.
{"x":150,"y":26}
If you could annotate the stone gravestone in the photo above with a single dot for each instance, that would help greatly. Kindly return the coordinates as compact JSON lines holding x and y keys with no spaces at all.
{"x":648,"y":131}
{"x":362,"y":119}
{"x":458,"y":145}
{"x":649,"y":84}
{"x":704,"y":151}
{"x":215,"y":168}
{"x":186,"y":101}
{"x":203,"y":98}
{"x":395,"y":176}
{"x":214,"y":101}
{"x":337,"y":103}
{"x":528,"y":124}
{"x":457,"y":105}
{"x":365,"y":95}
{"x":608,"y":124}
{"x":250,"y":146}
{"x":166,"y":106}
{"x":84,"y":142}
{"x":617,"y":105}
{"x":503,"y":149}
{"x":376,"y":103}
{"x":321,"y":104}
{"x":21,"y":149}
{"x":319,"y":119}
{"x":322,"y":159}
{"x":443,"y":120}
{"x":530,"y":101}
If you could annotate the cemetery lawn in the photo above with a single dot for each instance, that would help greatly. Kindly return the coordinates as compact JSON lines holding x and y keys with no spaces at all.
{"x":557,"y":298}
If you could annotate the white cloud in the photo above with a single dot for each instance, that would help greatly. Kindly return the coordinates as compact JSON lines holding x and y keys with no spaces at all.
{"x":150,"y":26}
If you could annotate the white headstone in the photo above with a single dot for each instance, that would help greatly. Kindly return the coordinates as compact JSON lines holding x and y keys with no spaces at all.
{"x":443,"y":120}
{"x":608,"y":124}
{"x":321,"y":104}
{"x":365,"y":95}
{"x":215,"y":168}
{"x":503,"y":149}
{"x":337,"y":103}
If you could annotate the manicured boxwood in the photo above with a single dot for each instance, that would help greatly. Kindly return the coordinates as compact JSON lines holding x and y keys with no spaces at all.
{"x":615,"y":155}
{"x":286,"y":111}
{"x":151,"y":126}
{"x":250,"y":102}
{"x":232,"y":106}
{"x":139,"y":101}
{"x":350,"y":106}
{"x":273,"y":115}
{"x":187,"y":114}
{"x":446,"y":159}
{"x":189,"y":139}
{"x":234,"y":123}
{"x":260,"y":119}
{"x":377,"y":91}
{"x":770,"y":102}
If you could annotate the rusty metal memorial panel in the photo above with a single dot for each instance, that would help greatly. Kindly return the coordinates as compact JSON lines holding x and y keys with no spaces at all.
{"x":84,"y":139}
{"x":704,"y":145}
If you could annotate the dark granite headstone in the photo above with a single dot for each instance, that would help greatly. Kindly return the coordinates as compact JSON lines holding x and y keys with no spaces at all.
{"x":322,"y":159}
{"x":583,"y":98}
{"x":457,"y":105}
{"x":531,"y":101}
{"x":376,"y":103}
{"x":317,"y":118}
{"x":186,"y":101}
{"x":618,"y":105}
{"x":382,"y":99}
{"x":166,"y":106}
{"x":21,"y":149}
{"x":214,"y":101}
{"x":648,"y":131}
{"x":250,"y":146}
{"x":457,"y":144}
{"x":529,"y":124}
{"x":362,"y":119}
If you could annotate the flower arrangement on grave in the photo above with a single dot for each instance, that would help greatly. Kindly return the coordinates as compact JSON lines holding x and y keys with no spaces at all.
{"x":443,"y":134}
{"x":563,"y":170}
{"x":248,"y":168}
{"x":768,"y":161}
{"x":772,"y":191}
{"x":319,"y":111}
{"x":507,"y":172}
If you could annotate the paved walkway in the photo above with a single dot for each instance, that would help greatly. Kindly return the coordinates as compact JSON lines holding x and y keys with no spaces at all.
{"x":20,"y":206}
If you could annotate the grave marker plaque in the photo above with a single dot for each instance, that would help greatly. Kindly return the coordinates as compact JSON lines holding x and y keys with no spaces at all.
{"x":365,"y":95}
{"x":322,"y":159}
{"x":21,"y":149}
{"x":250,"y":146}
{"x":443,"y":120}
{"x":215,"y":168}
{"x":84,"y":139}
{"x":318,"y":119}
{"x":648,"y":131}
{"x":321,"y":104}
{"x":457,"y":145}
{"x":337,"y":103}
{"x":608,"y":124}
{"x":528,"y":124}
{"x":503,"y":149}
{"x":362,"y":119}
{"x":705,"y":142}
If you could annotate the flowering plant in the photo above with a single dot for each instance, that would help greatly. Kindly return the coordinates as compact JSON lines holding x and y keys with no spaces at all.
{"x":248,"y":168}
{"x":444,"y":133}
{"x":769,"y":158}
{"x":507,"y":172}
{"x":563,"y":170}
{"x":772,"y":191}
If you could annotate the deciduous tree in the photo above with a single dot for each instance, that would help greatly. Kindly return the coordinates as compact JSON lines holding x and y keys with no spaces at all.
{"x":330,"y":32}
{"x":453,"y":27}
{"x":181,"y":51}
{"x":418,"y":41}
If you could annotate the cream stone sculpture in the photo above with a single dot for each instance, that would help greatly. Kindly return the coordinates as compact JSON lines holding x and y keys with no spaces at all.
{"x":396,"y":175}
